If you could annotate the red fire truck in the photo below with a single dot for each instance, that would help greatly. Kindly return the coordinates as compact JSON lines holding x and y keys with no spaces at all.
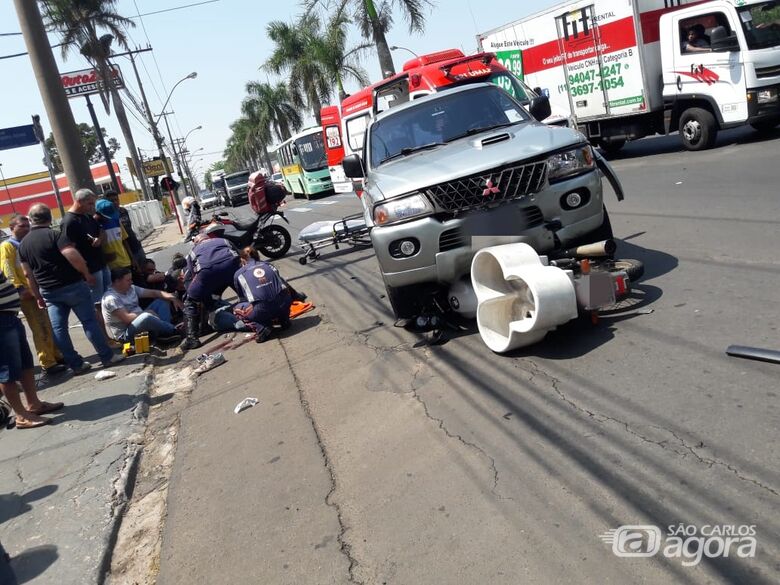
{"x":344,"y":128}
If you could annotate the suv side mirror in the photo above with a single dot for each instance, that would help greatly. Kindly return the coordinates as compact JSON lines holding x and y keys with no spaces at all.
{"x":722,"y":42}
{"x":540,"y":107}
{"x":353,"y":166}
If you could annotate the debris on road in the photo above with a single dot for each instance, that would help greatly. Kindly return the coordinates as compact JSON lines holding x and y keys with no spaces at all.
{"x":208,"y":361}
{"x":105,"y":375}
{"x":244,"y":404}
{"x":754,"y":353}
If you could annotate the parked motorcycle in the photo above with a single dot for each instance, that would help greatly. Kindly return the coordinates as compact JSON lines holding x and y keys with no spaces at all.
{"x":270,"y":239}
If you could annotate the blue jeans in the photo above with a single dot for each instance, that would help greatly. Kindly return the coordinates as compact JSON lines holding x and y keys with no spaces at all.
{"x":59,"y":303}
{"x":146,"y":322}
{"x":16,"y":356}
{"x":102,"y":282}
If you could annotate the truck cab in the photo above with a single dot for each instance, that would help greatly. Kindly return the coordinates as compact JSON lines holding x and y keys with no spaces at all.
{"x":721,"y":68}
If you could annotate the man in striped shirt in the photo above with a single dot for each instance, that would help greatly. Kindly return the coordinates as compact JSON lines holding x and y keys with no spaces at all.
{"x":16,"y":363}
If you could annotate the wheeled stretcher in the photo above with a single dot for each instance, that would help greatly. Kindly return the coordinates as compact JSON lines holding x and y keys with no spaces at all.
{"x":351,"y":230}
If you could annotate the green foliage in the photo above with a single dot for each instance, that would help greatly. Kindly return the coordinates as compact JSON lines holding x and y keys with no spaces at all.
{"x":89,"y":145}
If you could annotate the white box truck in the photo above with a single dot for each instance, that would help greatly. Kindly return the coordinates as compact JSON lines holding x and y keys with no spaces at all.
{"x":626,"y":69}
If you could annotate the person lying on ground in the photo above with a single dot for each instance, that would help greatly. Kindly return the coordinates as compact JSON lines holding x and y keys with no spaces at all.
{"x":16,"y":363}
{"x":265,"y":295}
{"x":125,"y":317}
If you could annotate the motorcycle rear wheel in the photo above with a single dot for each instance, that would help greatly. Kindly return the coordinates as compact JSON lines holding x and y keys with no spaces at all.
{"x":274,"y":241}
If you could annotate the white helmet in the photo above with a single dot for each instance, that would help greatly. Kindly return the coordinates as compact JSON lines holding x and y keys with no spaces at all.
{"x":187,"y":202}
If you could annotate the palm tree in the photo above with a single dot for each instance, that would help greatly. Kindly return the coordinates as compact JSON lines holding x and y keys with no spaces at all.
{"x":341,"y":63}
{"x":374,"y":17}
{"x":78,"y":22}
{"x":260,"y":127}
{"x":298,"y":52}
{"x":274,"y":106}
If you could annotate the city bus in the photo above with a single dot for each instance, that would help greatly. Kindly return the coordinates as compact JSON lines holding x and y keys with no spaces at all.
{"x":304,"y":164}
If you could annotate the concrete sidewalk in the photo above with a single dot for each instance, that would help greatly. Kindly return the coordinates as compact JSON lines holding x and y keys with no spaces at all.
{"x":63,"y":486}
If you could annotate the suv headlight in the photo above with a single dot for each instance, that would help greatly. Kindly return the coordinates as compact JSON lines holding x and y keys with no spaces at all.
{"x":402,"y":209}
{"x":572,"y":162}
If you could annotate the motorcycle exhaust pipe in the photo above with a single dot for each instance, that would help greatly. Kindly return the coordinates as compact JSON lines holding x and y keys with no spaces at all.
{"x":595,"y":250}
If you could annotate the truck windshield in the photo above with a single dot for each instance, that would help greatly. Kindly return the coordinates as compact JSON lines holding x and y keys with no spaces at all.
{"x":236,"y":180}
{"x":761,"y":23}
{"x":432,"y":122}
{"x":312,"y":152}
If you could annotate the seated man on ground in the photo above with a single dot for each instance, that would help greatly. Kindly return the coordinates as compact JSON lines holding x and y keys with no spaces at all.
{"x":124,"y":316}
{"x":265,"y":295}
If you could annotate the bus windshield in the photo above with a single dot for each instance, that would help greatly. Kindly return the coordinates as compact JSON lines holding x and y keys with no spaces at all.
{"x":311,"y":151}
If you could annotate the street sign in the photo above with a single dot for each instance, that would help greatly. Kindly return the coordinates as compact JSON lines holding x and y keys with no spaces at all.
{"x":17,"y":137}
{"x":86,"y":82}
{"x":152,"y":168}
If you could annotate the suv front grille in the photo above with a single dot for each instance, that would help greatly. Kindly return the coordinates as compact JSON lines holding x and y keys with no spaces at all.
{"x":491,"y":187}
{"x":763,"y":72}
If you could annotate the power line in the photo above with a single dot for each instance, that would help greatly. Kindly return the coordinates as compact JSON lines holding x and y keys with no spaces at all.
{"x":175,"y":8}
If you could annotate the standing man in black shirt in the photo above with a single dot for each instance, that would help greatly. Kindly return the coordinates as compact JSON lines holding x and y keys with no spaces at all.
{"x":59,"y":276}
{"x":136,"y":249}
{"x":80,"y":229}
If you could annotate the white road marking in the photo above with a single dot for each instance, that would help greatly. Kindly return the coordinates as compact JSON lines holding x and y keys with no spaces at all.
{"x":325,"y":202}
{"x":300,"y":209}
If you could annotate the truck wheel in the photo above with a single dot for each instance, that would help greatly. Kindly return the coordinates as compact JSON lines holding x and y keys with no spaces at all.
{"x":611,"y":147}
{"x":698,"y":129}
{"x":766,"y":125}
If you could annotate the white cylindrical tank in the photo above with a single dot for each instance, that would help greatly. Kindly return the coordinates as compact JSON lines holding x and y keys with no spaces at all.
{"x":520,"y":299}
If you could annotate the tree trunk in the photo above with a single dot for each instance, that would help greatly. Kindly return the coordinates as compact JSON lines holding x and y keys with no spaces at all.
{"x":66,"y":135}
{"x":121,"y":118}
{"x":267,"y":157}
{"x":382,"y":49}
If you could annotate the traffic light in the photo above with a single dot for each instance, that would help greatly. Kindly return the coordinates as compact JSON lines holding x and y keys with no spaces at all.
{"x":169,"y":184}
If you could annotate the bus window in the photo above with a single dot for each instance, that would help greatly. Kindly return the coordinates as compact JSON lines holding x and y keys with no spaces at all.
{"x":311,"y":152}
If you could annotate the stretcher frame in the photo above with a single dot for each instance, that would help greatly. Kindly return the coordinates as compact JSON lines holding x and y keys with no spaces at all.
{"x":341,"y":233}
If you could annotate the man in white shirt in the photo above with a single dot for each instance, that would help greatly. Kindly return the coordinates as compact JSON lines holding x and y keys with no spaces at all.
{"x":124,"y":316}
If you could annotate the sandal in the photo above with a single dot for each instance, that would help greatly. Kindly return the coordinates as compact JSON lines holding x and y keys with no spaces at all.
{"x":47,"y":407}
{"x":31,"y":424}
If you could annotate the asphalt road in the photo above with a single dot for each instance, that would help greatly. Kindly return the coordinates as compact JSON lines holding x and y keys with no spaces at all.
{"x":451,"y":464}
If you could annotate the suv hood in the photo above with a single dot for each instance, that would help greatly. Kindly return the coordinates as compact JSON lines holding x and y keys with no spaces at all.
{"x":468,"y":156}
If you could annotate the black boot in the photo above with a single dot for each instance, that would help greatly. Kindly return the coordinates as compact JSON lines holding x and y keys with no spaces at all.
{"x":192,"y":323}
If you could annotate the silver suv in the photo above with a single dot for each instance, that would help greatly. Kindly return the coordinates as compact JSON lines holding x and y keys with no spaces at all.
{"x":460,"y":170}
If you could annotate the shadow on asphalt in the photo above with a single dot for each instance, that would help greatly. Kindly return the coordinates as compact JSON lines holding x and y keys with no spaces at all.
{"x":653,"y":146}
{"x":98,"y":408}
{"x":27,"y":565}
{"x":546,"y":422}
{"x":14,"y":504}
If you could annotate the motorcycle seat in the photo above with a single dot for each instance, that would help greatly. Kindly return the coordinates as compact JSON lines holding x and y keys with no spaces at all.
{"x":246,"y":226}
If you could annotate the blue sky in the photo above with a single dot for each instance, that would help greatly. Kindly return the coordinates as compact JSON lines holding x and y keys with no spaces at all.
{"x":225,"y":43}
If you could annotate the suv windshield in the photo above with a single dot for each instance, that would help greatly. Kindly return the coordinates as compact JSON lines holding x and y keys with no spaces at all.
{"x":428,"y":124}
{"x":761,"y":23}
{"x":312,"y":152}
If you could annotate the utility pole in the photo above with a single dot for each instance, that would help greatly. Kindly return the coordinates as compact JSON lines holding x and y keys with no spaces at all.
{"x":58,"y":110}
{"x":102,"y":142}
{"x":184,"y":153}
{"x":155,"y":130}
{"x":173,"y":150}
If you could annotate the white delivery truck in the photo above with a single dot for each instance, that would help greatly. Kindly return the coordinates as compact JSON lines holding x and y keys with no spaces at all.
{"x":633,"y":68}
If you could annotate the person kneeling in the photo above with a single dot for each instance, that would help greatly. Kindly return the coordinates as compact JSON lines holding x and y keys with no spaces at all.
{"x":124,"y":316}
{"x":265,"y":296}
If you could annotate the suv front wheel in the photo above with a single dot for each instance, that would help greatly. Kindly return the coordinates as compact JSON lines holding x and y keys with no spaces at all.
{"x":404,"y":300}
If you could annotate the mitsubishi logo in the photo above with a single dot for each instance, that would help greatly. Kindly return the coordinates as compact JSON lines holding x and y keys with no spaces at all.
{"x":490,"y":189}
